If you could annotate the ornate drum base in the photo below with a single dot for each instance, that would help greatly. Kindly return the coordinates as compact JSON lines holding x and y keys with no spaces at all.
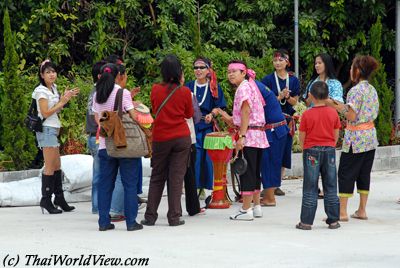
{"x":219,"y":199}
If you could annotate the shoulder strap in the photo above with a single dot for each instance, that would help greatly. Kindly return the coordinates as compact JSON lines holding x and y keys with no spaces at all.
{"x":118,"y":102}
{"x":166,"y":100}
{"x":33,"y":110}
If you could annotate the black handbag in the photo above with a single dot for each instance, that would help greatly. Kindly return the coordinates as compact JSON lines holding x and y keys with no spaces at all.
{"x":32,"y":121}
{"x":239,"y":164}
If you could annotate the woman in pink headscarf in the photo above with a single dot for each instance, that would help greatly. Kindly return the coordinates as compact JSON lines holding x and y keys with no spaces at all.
{"x":248,"y":119}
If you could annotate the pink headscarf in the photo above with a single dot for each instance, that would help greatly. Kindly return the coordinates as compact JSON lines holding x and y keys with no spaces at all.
{"x":252,"y":75}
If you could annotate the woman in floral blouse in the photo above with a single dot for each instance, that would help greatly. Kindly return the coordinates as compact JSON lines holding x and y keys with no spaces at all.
{"x":360,"y":139}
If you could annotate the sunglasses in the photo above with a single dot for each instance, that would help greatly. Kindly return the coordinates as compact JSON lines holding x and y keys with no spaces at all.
{"x":199,"y":67}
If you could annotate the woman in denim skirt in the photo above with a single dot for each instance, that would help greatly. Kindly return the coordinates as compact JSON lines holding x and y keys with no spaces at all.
{"x":50,"y":103}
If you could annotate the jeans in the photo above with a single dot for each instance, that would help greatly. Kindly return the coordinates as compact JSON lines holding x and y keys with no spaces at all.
{"x":128,"y":168}
{"x":93,"y":149}
{"x":117,"y":202}
{"x":316,"y":160}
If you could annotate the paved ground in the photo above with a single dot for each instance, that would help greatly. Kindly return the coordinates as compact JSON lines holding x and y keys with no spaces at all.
{"x":213,"y":240}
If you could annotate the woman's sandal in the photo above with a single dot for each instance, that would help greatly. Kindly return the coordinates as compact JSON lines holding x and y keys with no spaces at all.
{"x":263,"y":204}
{"x":302,"y":226}
{"x":334,"y":225}
{"x":356,"y":216}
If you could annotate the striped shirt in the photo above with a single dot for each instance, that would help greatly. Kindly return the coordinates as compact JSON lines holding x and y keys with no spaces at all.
{"x":97,"y":108}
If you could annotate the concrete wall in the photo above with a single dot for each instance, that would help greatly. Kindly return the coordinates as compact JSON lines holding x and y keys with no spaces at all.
{"x":386,"y":158}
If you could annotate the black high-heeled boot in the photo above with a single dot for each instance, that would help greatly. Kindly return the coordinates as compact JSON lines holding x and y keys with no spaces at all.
{"x":47,"y":191}
{"x":59,"y":200}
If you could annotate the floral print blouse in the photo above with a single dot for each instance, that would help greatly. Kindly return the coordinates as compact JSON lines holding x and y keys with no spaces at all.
{"x":246,"y":92}
{"x":334,"y":86}
{"x":363,"y":99}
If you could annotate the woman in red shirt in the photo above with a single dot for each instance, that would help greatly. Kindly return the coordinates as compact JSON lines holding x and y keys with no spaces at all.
{"x":171,"y":141}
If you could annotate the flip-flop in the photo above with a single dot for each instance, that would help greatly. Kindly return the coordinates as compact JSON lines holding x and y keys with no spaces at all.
{"x":356,"y":216}
{"x":267,"y":204}
{"x":302,"y":226}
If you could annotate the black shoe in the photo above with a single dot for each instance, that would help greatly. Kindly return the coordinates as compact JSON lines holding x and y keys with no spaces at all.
{"x":59,"y":200}
{"x":147,"y":222}
{"x":135,"y":227}
{"x":279,"y":192}
{"x":108,"y":227}
{"x":47,"y":191}
{"x":45,"y":204}
{"x":180,"y":222}
{"x":141,"y":200}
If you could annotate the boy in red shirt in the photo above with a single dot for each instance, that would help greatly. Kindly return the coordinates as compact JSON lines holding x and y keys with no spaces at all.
{"x":319,"y":132}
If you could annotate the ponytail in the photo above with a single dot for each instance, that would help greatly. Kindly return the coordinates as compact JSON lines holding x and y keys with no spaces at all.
{"x":106,"y":82}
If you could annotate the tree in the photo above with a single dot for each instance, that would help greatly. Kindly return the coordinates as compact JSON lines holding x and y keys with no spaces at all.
{"x":385,"y":94}
{"x":17,"y":141}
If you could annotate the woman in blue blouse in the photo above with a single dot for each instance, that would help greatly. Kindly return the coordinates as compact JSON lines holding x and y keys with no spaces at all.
{"x":286,"y":88}
{"x":209,"y":96}
{"x":324,"y":71}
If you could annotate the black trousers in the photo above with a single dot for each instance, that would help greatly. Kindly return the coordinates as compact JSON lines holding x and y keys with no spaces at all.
{"x":355,"y":169}
{"x":191,"y":197}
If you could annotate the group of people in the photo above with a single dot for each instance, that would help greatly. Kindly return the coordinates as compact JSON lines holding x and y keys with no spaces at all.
{"x":261,"y":123}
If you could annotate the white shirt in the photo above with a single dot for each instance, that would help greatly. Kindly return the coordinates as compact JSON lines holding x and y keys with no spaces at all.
{"x":42,"y":92}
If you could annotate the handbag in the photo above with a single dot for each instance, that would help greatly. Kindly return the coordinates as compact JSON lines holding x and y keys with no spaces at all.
{"x":137,"y":144}
{"x":32,"y":121}
{"x":239,"y":164}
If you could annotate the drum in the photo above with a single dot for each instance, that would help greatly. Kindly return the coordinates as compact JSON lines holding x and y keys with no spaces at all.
{"x":219,"y":146}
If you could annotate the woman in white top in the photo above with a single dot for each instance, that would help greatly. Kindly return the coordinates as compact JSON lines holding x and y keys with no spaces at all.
{"x":49,"y":103}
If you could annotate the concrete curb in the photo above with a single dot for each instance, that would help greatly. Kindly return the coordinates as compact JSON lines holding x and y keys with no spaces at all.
{"x":386,"y":158}
{"x":7,"y":176}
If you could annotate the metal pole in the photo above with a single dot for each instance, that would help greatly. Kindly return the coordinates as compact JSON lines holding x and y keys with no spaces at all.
{"x":296,"y":37}
{"x":397,"y":93}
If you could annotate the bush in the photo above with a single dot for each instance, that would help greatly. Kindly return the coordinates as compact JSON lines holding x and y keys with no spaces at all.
{"x":383,"y":123}
{"x":17,"y":141}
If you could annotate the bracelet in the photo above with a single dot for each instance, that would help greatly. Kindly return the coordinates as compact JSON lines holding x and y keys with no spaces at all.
{"x":242,"y":136}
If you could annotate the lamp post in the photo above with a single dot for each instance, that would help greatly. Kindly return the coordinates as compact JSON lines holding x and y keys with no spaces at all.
{"x":296,"y":37}
{"x":397,"y":70}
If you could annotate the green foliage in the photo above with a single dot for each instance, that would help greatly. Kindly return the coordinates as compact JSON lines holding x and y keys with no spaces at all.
{"x":16,"y":139}
{"x":1,"y":101}
{"x":299,"y":108}
{"x":73,"y":116}
{"x":384,"y":121}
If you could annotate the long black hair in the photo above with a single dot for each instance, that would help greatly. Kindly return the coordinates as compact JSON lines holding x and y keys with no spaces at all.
{"x":171,"y":69}
{"x":105,"y":84}
{"x":329,"y":69}
{"x":96,"y":70}
{"x":46,"y":64}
